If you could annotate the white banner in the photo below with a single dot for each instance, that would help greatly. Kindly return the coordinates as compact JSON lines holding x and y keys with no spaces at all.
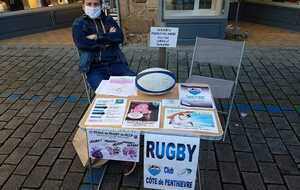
{"x":170,"y":162}
{"x":113,"y":144}
{"x":163,"y":37}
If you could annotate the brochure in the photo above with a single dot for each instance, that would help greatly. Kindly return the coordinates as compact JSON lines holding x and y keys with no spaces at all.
{"x":113,"y":144}
{"x":142,"y":114}
{"x":123,"y":86}
{"x":179,"y":118}
{"x":195,"y":96}
{"x":107,"y":111}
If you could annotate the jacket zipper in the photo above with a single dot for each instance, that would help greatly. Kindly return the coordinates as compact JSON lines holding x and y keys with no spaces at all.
{"x":97,"y":30}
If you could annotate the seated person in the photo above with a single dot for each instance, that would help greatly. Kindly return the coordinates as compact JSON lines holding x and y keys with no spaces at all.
{"x":97,"y":38}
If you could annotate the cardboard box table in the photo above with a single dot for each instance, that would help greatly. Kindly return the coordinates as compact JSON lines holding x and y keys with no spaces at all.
{"x":80,"y":140}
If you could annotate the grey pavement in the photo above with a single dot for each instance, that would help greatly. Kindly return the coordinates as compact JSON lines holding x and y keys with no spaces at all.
{"x":42,"y":100}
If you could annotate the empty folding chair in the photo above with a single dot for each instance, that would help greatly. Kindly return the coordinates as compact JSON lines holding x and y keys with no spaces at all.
{"x":222,"y":53}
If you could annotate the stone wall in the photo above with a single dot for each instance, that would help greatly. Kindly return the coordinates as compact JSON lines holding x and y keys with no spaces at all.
{"x":137,"y":17}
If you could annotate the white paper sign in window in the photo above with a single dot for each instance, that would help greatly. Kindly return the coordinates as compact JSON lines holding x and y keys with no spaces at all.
{"x":163,"y":37}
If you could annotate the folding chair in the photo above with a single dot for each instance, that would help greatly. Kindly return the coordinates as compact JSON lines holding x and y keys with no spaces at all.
{"x":222,"y":53}
{"x":88,"y":90}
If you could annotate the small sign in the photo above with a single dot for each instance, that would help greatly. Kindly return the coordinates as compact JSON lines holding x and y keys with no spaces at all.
{"x":113,"y":144}
{"x":170,"y":162}
{"x":163,"y":37}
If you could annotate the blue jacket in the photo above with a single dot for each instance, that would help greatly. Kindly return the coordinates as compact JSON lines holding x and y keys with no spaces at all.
{"x":105,"y":48}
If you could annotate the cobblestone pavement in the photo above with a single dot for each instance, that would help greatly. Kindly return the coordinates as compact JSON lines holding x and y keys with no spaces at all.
{"x":42,"y":99}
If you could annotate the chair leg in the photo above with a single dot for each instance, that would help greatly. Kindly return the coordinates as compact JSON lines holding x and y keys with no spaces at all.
{"x":87,"y":89}
{"x":228,"y":117}
{"x":131,"y":170}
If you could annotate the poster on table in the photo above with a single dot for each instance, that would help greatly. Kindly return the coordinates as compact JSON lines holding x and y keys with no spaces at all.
{"x":142,"y":114}
{"x":170,"y":162}
{"x":113,"y":144}
{"x":163,"y":36}
{"x":107,"y":111}
{"x":188,"y":119}
{"x":195,"y":96}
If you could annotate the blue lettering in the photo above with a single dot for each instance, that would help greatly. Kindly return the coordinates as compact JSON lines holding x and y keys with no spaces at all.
{"x":180,"y":152}
{"x":191,"y":151}
{"x":160,"y":154}
{"x":170,"y":152}
{"x":150,"y":149}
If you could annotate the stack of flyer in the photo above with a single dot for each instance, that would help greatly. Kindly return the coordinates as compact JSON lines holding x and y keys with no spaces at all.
{"x":195,"y":109}
{"x":122,"y":86}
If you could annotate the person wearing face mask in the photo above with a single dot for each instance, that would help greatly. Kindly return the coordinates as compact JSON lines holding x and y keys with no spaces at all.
{"x":97,"y":38}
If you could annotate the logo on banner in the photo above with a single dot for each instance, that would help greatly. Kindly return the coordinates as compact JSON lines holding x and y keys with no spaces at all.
{"x":170,"y":163}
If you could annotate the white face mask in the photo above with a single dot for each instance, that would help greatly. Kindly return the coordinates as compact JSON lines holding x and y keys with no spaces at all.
{"x":92,"y":12}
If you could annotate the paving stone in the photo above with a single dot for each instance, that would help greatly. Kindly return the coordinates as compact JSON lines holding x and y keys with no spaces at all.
{"x":26,"y":111}
{"x":68,"y":151}
{"x":210,"y":180}
{"x":270,"y":173}
{"x":295,"y":152}
{"x":30,"y":140}
{"x":255,"y":136}
{"x":22,"y":131}
{"x":41,"y":107}
{"x":16,"y":156}
{"x":224,"y":152}
{"x":246,"y":162}
{"x":14,"y":182}
{"x":67,"y":107}
{"x":288,"y":137}
{"x":281,"y":123}
{"x":5,"y":172}
{"x":4,"y":134}
{"x":51,"y":185}
{"x":39,"y":147}
{"x":72,"y":181}
{"x":60,"y":139}
{"x":59,"y":169}
{"x":36,"y":177}
{"x":276,"y":146}
{"x":49,"y":156}
{"x":32,"y":118}
{"x":8,"y":115}
{"x":26,"y":165}
{"x":69,"y":125}
{"x":77,"y":166}
{"x":233,"y":187}
{"x":15,"y":122}
{"x":59,"y":118}
{"x":269,"y":131}
{"x":50,"y":113}
{"x":41,"y":125}
{"x":9,"y":145}
{"x":262,"y":153}
{"x":240,"y":143}
{"x":253,"y":181}
{"x":229,"y":172}
{"x":207,"y":160}
{"x":276,"y":187}
{"x":286,"y":165}
{"x":293,"y":182}
{"x":50,"y":132}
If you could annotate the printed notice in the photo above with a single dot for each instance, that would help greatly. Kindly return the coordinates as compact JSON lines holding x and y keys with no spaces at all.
{"x":163,"y":37}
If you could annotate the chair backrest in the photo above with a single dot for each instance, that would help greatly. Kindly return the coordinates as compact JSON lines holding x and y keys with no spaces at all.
{"x":217,"y":52}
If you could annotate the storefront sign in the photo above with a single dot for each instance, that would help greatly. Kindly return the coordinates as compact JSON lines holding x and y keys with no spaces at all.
{"x":113,"y":144}
{"x":163,"y":37}
{"x":170,"y":162}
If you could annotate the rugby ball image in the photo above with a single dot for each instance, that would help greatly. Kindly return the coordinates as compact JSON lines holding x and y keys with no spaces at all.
{"x":155,"y":81}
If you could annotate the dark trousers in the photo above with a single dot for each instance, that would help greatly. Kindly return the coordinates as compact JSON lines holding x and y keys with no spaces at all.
{"x":99,"y":72}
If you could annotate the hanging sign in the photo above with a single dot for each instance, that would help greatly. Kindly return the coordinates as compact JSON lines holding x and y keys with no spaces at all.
{"x":170,"y":162}
{"x":113,"y":144}
{"x":163,"y":37}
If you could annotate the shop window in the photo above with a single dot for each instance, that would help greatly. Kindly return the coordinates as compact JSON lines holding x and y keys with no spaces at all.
{"x":180,"y":8}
